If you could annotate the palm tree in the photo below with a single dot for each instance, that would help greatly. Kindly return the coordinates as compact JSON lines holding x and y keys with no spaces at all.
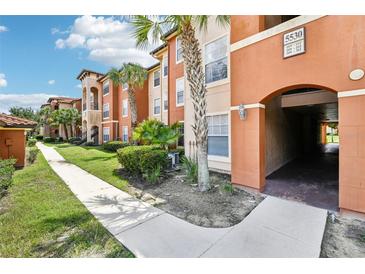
{"x":134,"y":75}
{"x":152,"y":28}
{"x":65,"y":117}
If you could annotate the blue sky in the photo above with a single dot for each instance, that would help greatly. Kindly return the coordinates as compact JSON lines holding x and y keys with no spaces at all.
{"x":40,"y":56}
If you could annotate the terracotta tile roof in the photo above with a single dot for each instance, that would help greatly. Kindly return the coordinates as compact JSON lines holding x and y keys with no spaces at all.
{"x":10,"y":121}
{"x":63,"y":99}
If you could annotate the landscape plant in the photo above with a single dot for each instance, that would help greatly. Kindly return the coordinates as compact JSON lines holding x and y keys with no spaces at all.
{"x":6,"y":174}
{"x":152,"y":29}
{"x":191,"y":168}
{"x":134,"y":75}
{"x":152,"y":163}
{"x":154,"y":132}
{"x":32,"y":154}
{"x":114,"y":145}
{"x":31,"y":142}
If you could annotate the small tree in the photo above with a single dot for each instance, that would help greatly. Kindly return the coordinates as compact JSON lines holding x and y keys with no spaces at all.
{"x":134,"y":75}
{"x":154,"y":132}
{"x":64,"y":117}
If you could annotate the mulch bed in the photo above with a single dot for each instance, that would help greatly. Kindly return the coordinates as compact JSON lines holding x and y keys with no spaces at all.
{"x":176,"y":195}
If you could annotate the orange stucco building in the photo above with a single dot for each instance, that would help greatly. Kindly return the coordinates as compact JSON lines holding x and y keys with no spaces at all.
{"x":272,"y":82}
{"x":13,"y":137}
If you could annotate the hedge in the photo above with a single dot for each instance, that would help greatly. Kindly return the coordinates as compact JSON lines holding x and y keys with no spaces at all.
{"x":31,"y":142}
{"x":32,"y":155}
{"x":49,"y":140}
{"x":39,"y":137}
{"x":74,"y":140}
{"x":114,"y":145}
{"x":6,"y":174}
{"x":152,"y":163}
{"x":131,"y":158}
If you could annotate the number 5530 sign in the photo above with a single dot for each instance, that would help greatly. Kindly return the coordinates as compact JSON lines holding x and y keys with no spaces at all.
{"x":294,"y":43}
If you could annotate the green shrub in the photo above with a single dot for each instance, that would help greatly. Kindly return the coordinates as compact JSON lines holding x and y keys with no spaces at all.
{"x":6,"y":174}
{"x":114,"y":145}
{"x":39,"y":137}
{"x":228,"y":187}
{"x":31,"y":142}
{"x":49,"y":140}
{"x":59,"y":139}
{"x":191,"y":169}
{"x":152,"y":163}
{"x":89,"y":144}
{"x":32,"y":155}
{"x":74,"y":140}
{"x":179,"y":150}
{"x":130,"y":157}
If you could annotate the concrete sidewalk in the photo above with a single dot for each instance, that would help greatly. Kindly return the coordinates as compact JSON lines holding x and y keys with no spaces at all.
{"x":275,"y":228}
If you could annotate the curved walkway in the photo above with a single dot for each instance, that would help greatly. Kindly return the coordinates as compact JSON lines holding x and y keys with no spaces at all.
{"x":275,"y":228}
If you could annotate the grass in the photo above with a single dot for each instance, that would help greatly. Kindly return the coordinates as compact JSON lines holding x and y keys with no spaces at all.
{"x":332,"y":139}
{"x":96,"y":161}
{"x":40,"y":217}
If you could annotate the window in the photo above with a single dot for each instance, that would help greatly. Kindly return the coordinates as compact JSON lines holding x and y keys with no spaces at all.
{"x":218,"y":135}
{"x":165,"y":103}
{"x":216,"y":60}
{"x":179,"y":55}
{"x":125,"y":86}
{"x":125,"y":108}
{"x":156,"y":78}
{"x":125,"y":134}
{"x":180,"y":92}
{"x":165,"y":66}
{"x":106,"y":87}
{"x":157,"y":106}
{"x":106,"y":134}
{"x":105,"y":111}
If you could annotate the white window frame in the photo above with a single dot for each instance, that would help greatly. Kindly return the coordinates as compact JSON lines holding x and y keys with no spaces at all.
{"x":104,"y":83}
{"x":154,"y":106}
{"x":227,"y":79}
{"x":180,"y":104}
{"x":182,"y":58}
{"x":165,"y":98}
{"x":159,"y":72}
{"x":165,"y":59}
{"x":104,"y":129}
{"x":106,"y":105}
{"x":123,"y":133}
{"x":125,"y":88}
{"x":216,"y":158}
{"x":125,"y":101}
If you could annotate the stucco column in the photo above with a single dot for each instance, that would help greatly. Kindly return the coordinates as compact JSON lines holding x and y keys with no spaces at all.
{"x":248,"y":148}
{"x":88,"y":93}
{"x":88,"y":133}
{"x":352,"y":153}
{"x":323,"y":133}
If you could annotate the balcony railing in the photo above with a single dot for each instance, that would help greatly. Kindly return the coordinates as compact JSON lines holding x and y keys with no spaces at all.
{"x":83,"y":106}
{"x":93,"y":106}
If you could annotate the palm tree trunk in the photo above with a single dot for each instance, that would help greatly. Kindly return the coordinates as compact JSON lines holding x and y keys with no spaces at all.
{"x":133,"y":107}
{"x":195,"y":76}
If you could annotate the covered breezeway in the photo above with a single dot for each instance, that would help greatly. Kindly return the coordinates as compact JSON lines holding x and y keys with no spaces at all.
{"x":300,"y":164}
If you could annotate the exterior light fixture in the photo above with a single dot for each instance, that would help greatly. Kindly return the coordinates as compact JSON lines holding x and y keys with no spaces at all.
{"x":242,"y":111}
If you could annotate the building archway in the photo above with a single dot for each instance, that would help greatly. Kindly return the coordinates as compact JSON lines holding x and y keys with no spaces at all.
{"x":299,"y":164}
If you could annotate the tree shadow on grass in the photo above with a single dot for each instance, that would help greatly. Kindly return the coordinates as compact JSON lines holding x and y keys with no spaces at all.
{"x":81,"y":237}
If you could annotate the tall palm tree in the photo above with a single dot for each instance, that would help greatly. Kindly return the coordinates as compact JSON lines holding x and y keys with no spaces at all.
{"x":151,"y":29}
{"x":134,"y":75}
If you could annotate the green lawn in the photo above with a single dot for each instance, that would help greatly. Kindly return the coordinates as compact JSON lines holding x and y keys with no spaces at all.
{"x":40,"y":217}
{"x":98,"y":162}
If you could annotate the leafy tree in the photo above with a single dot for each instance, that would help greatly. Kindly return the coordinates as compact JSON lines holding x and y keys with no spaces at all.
{"x":27,"y":113}
{"x":134,"y":75}
{"x":65,"y":117}
{"x":150,"y":29}
{"x":154,"y":132}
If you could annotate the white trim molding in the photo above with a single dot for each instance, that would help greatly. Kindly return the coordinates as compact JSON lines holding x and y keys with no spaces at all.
{"x":257,"y":105}
{"x":283,"y":27}
{"x":350,"y":93}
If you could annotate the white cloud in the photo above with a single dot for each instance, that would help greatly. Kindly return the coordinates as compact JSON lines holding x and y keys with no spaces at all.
{"x":34,"y":100}
{"x":51,"y":82}
{"x":108,"y":40}
{"x":3,"y":82}
{"x":78,"y":86}
{"x":3,"y":29}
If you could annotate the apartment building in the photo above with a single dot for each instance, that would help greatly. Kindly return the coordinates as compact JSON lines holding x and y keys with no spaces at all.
{"x":272,"y":83}
{"x":106,"y":115}
{"x":55,"y":103}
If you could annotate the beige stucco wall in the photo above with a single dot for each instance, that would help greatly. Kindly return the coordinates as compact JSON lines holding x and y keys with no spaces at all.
{"x":218,"y":97}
